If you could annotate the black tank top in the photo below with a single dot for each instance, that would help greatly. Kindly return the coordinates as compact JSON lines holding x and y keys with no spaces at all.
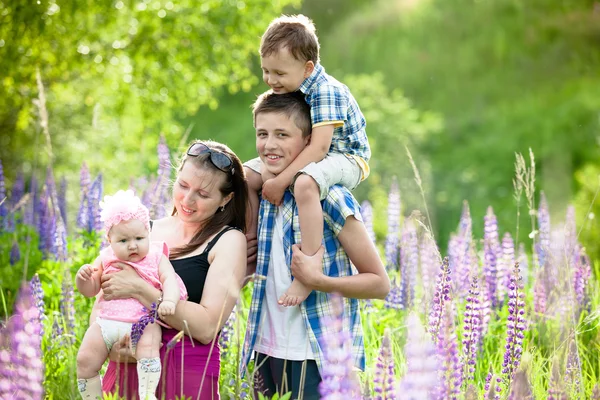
{"x":193,"y":270}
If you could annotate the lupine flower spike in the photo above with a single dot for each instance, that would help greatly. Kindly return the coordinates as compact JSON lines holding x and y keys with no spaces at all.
{"x":84,"y":183}
{"x":451,"y":376}
{"x":38,"y":294}
{"x":409,"y":263}
{"x":471,"y":330}
{"x":421,"y":380}
{"x":392,"y":241}
{"x":440,"y":298}
{"x":366,"y":212}
{"x":22,"y":368}
{"x":67,"y":302}
{"x":384,"y":376}
{"x":15,"y":254}
{"x":515,"y":326}
{"x":491,"y":249}
{"x":338,"y":377}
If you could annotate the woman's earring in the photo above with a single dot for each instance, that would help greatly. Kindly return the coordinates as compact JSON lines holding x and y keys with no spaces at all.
{"x":222,"y":208}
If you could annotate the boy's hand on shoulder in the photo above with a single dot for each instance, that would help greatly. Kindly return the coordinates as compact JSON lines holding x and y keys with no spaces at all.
{"x":273,"y":191}
{"x":166,"y":307}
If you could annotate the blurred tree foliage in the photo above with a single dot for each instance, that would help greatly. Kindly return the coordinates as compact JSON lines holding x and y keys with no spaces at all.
{"x":117,"y":74}
{"x":505,"y":75}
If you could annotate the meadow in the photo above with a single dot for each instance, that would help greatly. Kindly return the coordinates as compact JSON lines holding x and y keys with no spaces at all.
{"x":482,"y":316}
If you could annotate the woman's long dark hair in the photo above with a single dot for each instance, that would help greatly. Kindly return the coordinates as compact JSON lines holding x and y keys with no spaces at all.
{"x":234,"y":213}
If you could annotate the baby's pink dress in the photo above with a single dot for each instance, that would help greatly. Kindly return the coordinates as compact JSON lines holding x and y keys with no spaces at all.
{"x":131,"y":310}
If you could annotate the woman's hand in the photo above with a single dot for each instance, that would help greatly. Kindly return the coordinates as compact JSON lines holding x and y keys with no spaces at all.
{"x":124,"y":284}
{"x":121,"y":351}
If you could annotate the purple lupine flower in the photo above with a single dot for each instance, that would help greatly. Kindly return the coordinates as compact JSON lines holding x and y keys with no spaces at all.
{"x":45,"y":223}
{"x":471,"y":330}
{"x":31,"y":213}
{"x":338,"y":380}
{"x":394,"y":297}
{"x":570,"y":230}
{"x":515,"y":325}
{"x":421,"y":380}
{"x":38,"y":294}
{"x":520,"y":388}
{"x":62,"y":200}
{"x":543,"y":245}
{"x":556,"y":390}
{"x":137,"y":329}
{"x":50,"y":237}
{"x":57,"y":330}
{"x":539,"y":294}
{"x":384,"y":375}
{"x":582,"y":274}
{"x":430,"y":261}
{"x":462,"y":266}
{"x":95,"y":195}
{"x":491,"y":248}
{"x":367,"y":306}
{"x":18,"y":189}
{"x":161,"y":187}
{"x":3,"y":205}
{"x":227,"y":331}
{"x":492,"y":387}
{"x":573,"y":369}
{"x":451,"y":376}
{"x":67,"y":301}
{"x":440,"y":298}
{"x":596,"y":392}
{"x":15,"y":253}
{"x":409,"y":263}
{"x":392,"y":241}
{"x":505,"y":265}
{"x":366,"y":212}
{"x":59,"y":245}
{"x":84,"y":185}
{"x":26,"y":371}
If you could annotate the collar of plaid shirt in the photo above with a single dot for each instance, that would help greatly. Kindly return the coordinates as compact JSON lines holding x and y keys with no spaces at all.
{"x":310,"y":81}
{"x":336,"y":263}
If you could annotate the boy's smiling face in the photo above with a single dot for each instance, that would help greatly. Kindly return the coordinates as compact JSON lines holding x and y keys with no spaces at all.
{"x":284,"y":73}
{"x":278,"y":140}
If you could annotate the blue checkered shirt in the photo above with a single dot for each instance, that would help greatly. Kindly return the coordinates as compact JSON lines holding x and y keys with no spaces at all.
{"x":337,"y":206}
{"x":331,"y":101}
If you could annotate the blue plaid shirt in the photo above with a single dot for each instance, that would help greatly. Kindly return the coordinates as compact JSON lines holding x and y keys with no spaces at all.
{"x":337,"y":206}
{"x":331,"y":102}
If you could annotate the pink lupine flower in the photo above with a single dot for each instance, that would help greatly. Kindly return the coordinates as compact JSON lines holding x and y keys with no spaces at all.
{"x":421,"y":380}
{"x":384,"y":375}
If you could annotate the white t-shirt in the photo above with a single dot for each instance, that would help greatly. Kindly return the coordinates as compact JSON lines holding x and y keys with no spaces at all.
{"x":282,"y":330}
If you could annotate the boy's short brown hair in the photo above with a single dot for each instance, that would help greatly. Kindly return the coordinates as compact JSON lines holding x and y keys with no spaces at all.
{"x":292,"y":105}
{"x":297,"y":33}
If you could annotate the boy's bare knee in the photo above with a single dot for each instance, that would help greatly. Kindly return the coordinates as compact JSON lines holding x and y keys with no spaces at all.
{"x":305,"y":187}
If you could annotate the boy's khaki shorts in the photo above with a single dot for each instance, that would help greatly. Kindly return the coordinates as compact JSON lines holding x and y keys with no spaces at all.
{"x":334,"y":169}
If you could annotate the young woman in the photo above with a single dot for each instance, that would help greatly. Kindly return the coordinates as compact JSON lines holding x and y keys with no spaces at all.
{"x":208,"y":251}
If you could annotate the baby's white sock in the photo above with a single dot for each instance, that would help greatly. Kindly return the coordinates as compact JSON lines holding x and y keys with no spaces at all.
{"x":90,"y":388}
{"x":148,"y":370}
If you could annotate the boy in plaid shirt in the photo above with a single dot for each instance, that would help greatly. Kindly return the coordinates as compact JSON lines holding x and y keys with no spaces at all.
{"x":338,"y":152}
{"x":289,"y":342}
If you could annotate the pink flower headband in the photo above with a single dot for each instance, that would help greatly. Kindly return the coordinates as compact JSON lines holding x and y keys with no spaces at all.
{"x":123,"y":206}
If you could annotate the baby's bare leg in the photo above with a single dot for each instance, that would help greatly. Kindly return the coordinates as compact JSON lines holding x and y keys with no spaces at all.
{"x":90,"y":357}
{"x":148,"y":365}
{"x":310,"y":215}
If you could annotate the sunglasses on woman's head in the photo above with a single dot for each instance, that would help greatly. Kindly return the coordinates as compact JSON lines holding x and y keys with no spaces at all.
{"x":219,"y":159}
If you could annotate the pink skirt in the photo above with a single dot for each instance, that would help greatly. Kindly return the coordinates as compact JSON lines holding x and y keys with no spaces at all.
{"x":186,"y":371}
